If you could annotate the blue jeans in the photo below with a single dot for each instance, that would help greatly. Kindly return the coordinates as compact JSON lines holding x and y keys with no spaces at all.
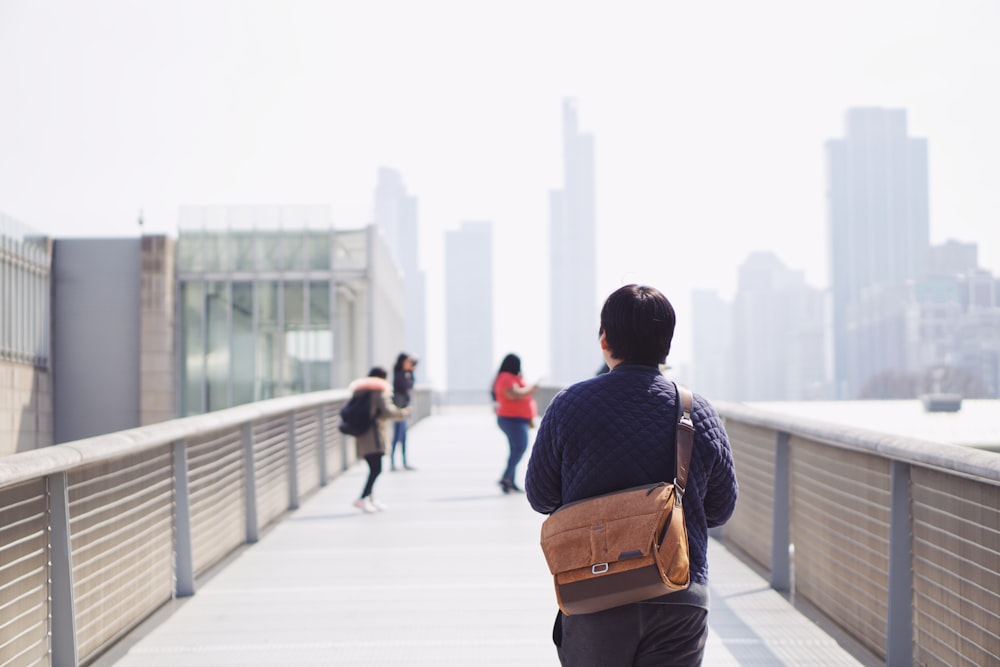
{"x":516,"y":430}
{"x":398,"y":436}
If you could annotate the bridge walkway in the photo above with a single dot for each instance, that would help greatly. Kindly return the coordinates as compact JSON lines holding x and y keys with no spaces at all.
{"x":450,"y":574}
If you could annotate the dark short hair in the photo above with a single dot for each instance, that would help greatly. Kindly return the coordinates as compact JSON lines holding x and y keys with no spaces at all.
{"x":377,"y":372}
{"x":638,"y":324}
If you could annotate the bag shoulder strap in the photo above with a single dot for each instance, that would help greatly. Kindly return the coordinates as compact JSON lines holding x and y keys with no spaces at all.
{"x":685,"y":439}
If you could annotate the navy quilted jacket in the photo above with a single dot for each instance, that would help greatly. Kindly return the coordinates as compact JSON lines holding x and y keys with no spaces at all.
{"x":617,"y":430}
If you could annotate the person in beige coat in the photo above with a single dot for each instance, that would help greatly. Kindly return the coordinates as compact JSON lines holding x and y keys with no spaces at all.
{"x":371,"y":444}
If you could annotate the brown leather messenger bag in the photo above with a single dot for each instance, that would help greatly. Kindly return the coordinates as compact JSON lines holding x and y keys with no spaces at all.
{"x":623,"y":547}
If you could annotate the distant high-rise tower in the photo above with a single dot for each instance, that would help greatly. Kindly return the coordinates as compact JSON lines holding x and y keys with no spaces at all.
{"x":878,"y":221}
{"x":469,"y":312}
{"x":777,"y":334}
{"x":396,"y":216}
{"x":573,"y":251}
{"x":711,"y":320}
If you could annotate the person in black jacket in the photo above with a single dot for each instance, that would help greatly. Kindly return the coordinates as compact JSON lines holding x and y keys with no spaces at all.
{"x":370,"y":445}
{"x":616,"y":431}
{"x":402,"y":385}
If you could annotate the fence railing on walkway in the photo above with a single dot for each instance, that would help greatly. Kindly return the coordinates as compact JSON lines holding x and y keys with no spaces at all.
{"x":894,"y":539}
{"x":96,"y":534}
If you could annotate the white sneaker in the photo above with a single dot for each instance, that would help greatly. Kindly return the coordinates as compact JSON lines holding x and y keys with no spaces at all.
{"x":379,"y":506}
{"x":365,"y":505}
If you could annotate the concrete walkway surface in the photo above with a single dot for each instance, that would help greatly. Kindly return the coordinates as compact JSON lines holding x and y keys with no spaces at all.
{"x":450,"y":574}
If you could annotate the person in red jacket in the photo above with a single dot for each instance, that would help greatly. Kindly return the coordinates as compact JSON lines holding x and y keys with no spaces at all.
{"x":516,"y":412}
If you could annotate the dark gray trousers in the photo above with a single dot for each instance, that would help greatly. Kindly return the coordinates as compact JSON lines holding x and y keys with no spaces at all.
{"x":641,"y":635}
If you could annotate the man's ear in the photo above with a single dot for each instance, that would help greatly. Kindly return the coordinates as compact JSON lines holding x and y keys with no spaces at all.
{"x":604,"y":341}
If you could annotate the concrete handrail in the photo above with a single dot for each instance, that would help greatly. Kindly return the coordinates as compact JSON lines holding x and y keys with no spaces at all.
{"x":954,"y":459}
{"x":24,"y":466}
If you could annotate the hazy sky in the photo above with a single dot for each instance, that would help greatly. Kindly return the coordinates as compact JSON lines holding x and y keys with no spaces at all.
{"x":709,"y":121}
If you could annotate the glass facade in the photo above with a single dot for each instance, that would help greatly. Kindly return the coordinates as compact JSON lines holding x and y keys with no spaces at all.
{"x":25,"y":263}
{"x":255,"y":314}
{"x":230,"y":357}
{"x":192,"y":300}
{"x":244,"y":375}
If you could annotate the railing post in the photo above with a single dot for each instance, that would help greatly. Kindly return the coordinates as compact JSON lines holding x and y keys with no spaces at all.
{"x":63,"y":603}
{"x":899,"y":631}
{"x":293,"y":465}
{"x":249,"y":482}
{"x":321,"y":444}
{"x":183,"y":553}
{"x":781,"y":565}
{"x":343,"y":451}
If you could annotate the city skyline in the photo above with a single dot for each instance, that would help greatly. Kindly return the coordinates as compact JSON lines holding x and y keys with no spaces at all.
{"x":711,"y":133}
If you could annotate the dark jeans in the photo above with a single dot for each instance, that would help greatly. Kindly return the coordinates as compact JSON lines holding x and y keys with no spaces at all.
{"x":516,"y":430}
{"x":641,"y":635}
{"x":374,"y":470}
{"x":398,"y":436}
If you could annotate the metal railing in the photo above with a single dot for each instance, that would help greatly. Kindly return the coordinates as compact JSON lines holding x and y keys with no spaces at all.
{"x":96,"y":534}
{"x":894,"y":539}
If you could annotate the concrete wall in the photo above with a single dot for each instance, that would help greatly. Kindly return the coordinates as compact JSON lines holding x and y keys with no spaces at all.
{"x":25,"y":408}
{"x":157,"y":368}
{"x":96,"y":336}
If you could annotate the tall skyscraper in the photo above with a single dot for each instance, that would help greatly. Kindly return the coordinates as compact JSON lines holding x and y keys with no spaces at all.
{"x":573,"y":251}
{"x":469,"y":311}
{"x":879,"y":229}
{"x":396,"y":216}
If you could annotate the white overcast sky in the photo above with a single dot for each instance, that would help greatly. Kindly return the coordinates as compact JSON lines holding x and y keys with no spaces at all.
{"x":709,"y":120}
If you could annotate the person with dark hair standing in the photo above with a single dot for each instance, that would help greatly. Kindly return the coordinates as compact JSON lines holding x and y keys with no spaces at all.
{"x":516,"y":411}
{"x":616,"y":431}
{"x":402,"y":385}
{"x":371,"y":444}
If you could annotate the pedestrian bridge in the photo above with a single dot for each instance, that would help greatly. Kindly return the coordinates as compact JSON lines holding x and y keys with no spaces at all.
{"x":230,"y":539}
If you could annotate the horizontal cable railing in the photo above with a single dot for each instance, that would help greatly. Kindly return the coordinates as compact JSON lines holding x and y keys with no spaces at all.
{"x":96,"y":534}
{"x":896,"y":540}
{"x":24,"y":554}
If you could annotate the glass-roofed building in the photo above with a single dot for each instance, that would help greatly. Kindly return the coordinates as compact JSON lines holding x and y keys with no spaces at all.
{"x":272,"y":300}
